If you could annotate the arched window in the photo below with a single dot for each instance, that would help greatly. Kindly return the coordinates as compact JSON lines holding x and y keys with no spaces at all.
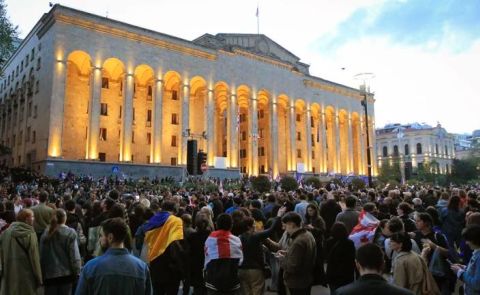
{"x":395,"y":150}
{"x":446,"y":150}
{"x":407,"y":150}
{"x":436,"y":148}
{"x":419,"y":148}
{"x":385,"y":151}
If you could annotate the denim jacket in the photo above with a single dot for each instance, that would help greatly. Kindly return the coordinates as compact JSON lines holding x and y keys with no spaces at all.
{"x":59,"y":255}
{"x":471,"y":275}
{"x":115,"y":272}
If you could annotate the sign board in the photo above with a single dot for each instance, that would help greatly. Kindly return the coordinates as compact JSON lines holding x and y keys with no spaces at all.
{"x":300,"y":168}
{"x":115,"y":169}
{"x":204,"y":167}
{"x":220,"y":162}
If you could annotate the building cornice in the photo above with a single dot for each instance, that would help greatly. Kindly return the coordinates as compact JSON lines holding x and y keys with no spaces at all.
{"x":335,"y":89}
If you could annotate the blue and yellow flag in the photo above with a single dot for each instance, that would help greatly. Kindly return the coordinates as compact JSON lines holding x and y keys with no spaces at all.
{"x":162,"y":230}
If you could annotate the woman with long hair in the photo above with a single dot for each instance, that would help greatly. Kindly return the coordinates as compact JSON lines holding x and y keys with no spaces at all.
{"x":59,"y":255}
{"x":453,"y":221}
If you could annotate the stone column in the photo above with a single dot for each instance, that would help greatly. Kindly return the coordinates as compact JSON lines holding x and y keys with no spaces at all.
{"x":185,"y":125}
{"x":350,"y":144}
{"x":157,"y":122}
{"x":324,"y":141}
{"x":234,"y":130}
{"x":210,"y":122}
{"x":293,"y":138}
{"x":337,"y":143}
{"x":372,"y":150}
{"x":94,"y":112}
{"x":127,"y":118}
{"x":55,"y":128}
{"x":274,"y":137}
{"x":308,"y":130}
{"x":254,"y":135}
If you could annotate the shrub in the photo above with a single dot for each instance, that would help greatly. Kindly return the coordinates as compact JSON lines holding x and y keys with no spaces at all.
{"x":313,"y":181}
{"x":288,"y":183}
{"x":261,"y":184}
{"x":357,"y":184}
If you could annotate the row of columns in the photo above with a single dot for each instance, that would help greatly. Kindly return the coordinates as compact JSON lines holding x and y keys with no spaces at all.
{"x":58,"y":94}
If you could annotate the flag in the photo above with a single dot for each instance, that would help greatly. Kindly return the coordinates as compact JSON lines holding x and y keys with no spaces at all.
{"x":221,"y":244}
{"x":162,"y":230}
{"x":364,"y":231}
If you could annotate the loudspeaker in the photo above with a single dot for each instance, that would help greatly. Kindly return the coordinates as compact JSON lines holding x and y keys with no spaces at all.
{"x":192,"y":157}
{"x":202,"y":159}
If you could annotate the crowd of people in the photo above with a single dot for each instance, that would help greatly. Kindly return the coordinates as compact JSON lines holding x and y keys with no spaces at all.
{"x":84,"y":236}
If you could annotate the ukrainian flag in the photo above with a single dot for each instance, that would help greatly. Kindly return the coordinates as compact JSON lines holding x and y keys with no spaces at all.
{"x":162,"y":230}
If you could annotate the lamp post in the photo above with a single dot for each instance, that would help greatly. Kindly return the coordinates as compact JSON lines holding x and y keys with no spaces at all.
{"x":364,"y":77}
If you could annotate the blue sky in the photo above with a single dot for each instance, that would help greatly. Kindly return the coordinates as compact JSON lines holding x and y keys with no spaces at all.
{"x":425,"y":53}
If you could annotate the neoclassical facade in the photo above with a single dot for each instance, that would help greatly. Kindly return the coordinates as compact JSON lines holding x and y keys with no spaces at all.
{"x":414,"y":145}
{"x":87,"y":89}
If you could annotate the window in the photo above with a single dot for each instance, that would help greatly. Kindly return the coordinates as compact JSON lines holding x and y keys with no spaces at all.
{"x":20,"y":138}
{"x":260,"y":114}
{"x":299,"y":153}
{"x":313,"y":154}
{"x":312,"y":123}
{"x":103,"y":134}
{"x":299,"y":136}
{"x":102,"y":157}
{"x":261,"y":132}
{"x":313,"y":140}
{"x":37,"y":86}
{"x":446,"y":152}
{"x":34,"y":136}
{"x":133,"y":114}
{"x":174,"y":141}
{"x":21,"y":66}
{"x":133,"y":136}
{"x":120,"y":112}
{"x":149,"y":118}
{"x":243,"y":153}
{"x":385,"y":151}
{"x":407,"y":150}
{"x":173,"y":161}
{"x":103,"y":109}
{"x":244,"y":135}
{"x":33,"y":54}
{"x":262,"y":169}
{"x":261,"y":151}
{"x":395,"y":150}
{"x":149,"y":92}
{"x":148,"y":159}
{"x":299,"y":118}
{"x":243,"y":117}
{"x":419,"y":148}
{"x":131,"y":158}
{"x":16,"y":73}
{"x":105,"y":84}
{"x":149,"y":138}
{"x":39,"y":61}
{"x":27,"y":59}
{"x":436,"y":149}
{"x":175,"y":119}
{"x":27,"y":139}
{"x":174,"y":95}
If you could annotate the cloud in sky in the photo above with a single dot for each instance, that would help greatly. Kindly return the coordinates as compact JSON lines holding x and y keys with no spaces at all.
{"x":425,"y":23}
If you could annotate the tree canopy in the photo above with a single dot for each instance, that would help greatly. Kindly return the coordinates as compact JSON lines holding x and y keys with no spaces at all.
{"x":8,"y":32}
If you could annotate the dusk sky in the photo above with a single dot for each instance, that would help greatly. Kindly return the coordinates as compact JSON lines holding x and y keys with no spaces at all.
{"x":425,"y":54}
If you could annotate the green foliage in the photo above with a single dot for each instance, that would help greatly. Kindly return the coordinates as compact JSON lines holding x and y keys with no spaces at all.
{"x":288,"y":183}
{"x":464,"y":171}
{"x":313,"y":181}
{"x":261,"y":184}
{"x":7,"y":34}
{"x":357,"y":184}
{"x":389,"y":172}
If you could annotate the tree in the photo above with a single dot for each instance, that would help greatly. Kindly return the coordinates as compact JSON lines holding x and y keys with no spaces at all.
{"x":288,"y":183}
{"x":313,"y":181}
{"x":465,"y":170}
{"x":389,"y":172}
{"x":8,"y":32}
{"x":261,"y":184}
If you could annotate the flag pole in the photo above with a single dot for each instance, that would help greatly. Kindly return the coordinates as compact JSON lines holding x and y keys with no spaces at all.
{"x":258,"y":21}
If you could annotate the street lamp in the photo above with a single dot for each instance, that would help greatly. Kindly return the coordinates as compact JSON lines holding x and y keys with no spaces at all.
{"x":364,"y":77}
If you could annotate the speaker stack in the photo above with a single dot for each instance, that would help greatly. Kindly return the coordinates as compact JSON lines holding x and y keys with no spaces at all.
{"x":192,"y":157}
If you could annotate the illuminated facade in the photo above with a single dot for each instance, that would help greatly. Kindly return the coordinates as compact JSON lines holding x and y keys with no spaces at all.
{"x":87,"y":89}
{"x":414,"y":145}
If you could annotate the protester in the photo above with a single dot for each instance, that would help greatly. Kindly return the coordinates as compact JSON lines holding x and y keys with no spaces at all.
{"x":116,"y":271}
{"x":43,"y":214}
{"x":349,"y":216}
{"x":370,"y":263}
{"x":470,"y":274}
{"x":19,"y":255}
{"x":59,"y":256}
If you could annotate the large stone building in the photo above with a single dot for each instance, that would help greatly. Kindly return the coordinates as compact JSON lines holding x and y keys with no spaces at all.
{"x":414,"y":145}
{"x":95,"y":95}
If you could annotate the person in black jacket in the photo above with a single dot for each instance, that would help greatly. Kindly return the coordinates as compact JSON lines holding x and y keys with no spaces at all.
{"x":251,"y":273}
{"x":370,"y":265}
{"x":340,"y":258}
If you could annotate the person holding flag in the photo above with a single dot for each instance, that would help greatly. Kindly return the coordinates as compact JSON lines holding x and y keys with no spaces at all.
{"x":163,"y":234}
{"x":364,"y":231}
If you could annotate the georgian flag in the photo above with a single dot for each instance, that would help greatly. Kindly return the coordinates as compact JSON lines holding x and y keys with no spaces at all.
{"x":222,"y":244}
{"x":364,"y":231}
